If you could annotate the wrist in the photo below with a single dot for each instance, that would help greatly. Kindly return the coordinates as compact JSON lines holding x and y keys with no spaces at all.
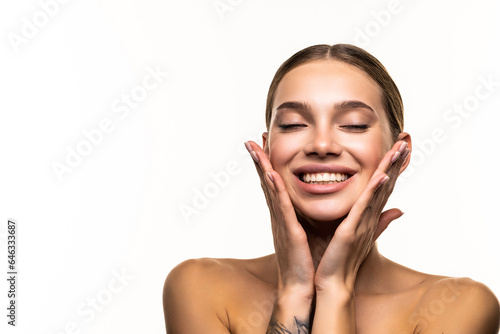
{"x":341,"y":291}
{"x":295,"y":296}
{"x":299,"y":292}
{"x":338,"y":296}
{"x":335,"y":312}
{"x":291,"y":317}
{"x":335,"y":285}
{"x":293,"y":302}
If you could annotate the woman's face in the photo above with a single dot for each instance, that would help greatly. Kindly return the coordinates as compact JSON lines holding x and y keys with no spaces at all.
{"x":328,"y":118}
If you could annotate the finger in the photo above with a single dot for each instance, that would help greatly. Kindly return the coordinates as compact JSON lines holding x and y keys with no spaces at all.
{"x":250,"y":146}
{"x":266,"y":168}
{"x":367,"y":209}
{"x":392,"y":156}
{"x":276,"y":186}
{"x":364,"y":204}
{"x":375,"y":196}
{"x":285,"y":204}
{"x":381,"y":196}
{"x":393,"y":172}
{"x":262,"y":163}
{"x":385,"y":219}
{"x":397,"y":159}
{"x":260,"y":156}
{"x":265,"y":184}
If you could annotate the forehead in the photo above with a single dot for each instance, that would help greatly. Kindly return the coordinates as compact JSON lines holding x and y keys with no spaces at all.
{"x":324,"y":83}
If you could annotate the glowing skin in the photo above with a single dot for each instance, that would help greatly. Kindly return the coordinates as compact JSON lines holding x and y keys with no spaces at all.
{"x":323,"y":135}
{"x":325,"y":256}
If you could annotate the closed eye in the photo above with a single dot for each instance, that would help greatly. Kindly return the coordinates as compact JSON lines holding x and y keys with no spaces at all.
{"x":290,"y":126}
{"x":355,"y":127}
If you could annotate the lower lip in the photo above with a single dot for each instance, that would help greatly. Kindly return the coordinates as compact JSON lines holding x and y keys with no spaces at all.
{"x":322,"y":188}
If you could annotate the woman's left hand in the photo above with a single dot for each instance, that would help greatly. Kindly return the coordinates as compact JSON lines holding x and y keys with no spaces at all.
{"x":356,"y":235}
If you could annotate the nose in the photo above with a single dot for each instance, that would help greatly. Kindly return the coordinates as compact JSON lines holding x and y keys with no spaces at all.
{"x":323,"y":143}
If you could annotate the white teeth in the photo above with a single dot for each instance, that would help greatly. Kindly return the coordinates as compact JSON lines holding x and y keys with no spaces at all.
{"x":324,"y":177}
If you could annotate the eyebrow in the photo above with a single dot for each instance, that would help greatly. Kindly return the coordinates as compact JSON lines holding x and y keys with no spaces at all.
{"x":296,"y":105}
{"x":344,"y":105}
{"x":353,"y":104}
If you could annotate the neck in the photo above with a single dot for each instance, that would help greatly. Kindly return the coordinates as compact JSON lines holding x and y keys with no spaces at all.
{"x":319,"y":235}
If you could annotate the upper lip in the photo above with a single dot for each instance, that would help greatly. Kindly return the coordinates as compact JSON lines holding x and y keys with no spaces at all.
{"x":320,"y":168}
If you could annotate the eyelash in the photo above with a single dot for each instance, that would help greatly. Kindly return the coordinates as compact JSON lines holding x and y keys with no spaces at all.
{"x":358,"y":127}
{"x":290,"y":126}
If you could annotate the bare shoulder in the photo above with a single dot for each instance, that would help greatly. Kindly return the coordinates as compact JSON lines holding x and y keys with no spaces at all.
{"x":197,"y":293}
{"x":193,"y":269}
{"x":191,"y":297}
{"x":456,"y":305}
{"x":216,"y":272}
{"x":201,"y":279}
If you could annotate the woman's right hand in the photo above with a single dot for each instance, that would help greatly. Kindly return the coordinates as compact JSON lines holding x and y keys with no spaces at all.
{"x":295,"y":264}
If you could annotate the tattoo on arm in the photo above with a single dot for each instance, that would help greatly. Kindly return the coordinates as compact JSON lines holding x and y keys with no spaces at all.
{"x":277,"y":328}
{"x":300,"y":327}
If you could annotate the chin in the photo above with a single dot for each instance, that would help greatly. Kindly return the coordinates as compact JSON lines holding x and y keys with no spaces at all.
{"x":323,"y":212}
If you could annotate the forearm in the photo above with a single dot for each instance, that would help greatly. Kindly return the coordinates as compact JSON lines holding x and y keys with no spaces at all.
{"x":335,"y":312}
{"x":290,"y":315}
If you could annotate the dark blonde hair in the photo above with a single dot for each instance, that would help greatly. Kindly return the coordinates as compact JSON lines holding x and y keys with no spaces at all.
{"x":353,"y":55}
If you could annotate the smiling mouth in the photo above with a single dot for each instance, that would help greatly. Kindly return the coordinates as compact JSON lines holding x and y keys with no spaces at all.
{"x":323,"y":178}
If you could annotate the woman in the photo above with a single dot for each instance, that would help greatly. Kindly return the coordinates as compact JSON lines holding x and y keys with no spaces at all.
{"x":331,"y":156}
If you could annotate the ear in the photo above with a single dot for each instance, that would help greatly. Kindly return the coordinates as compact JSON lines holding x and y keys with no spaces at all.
{"x":265,"y":144}
{"x":407,"y":138}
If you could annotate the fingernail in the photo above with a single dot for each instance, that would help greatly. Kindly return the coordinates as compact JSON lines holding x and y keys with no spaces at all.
{"x":384,"y":180}
{"x":395,"y":156}
{"x":270,"y":176}
{"x":254,"y":156}
{"x":405,"y":153}
{"x":402,"y":147}
{"x":248,"y":146}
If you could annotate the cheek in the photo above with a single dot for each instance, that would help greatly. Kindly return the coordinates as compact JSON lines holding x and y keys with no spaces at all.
{"x":282,"y":150}
{"x":368,"y":152}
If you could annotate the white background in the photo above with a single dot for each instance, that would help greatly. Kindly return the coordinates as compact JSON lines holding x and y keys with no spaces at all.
{"x":119,"y":209}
